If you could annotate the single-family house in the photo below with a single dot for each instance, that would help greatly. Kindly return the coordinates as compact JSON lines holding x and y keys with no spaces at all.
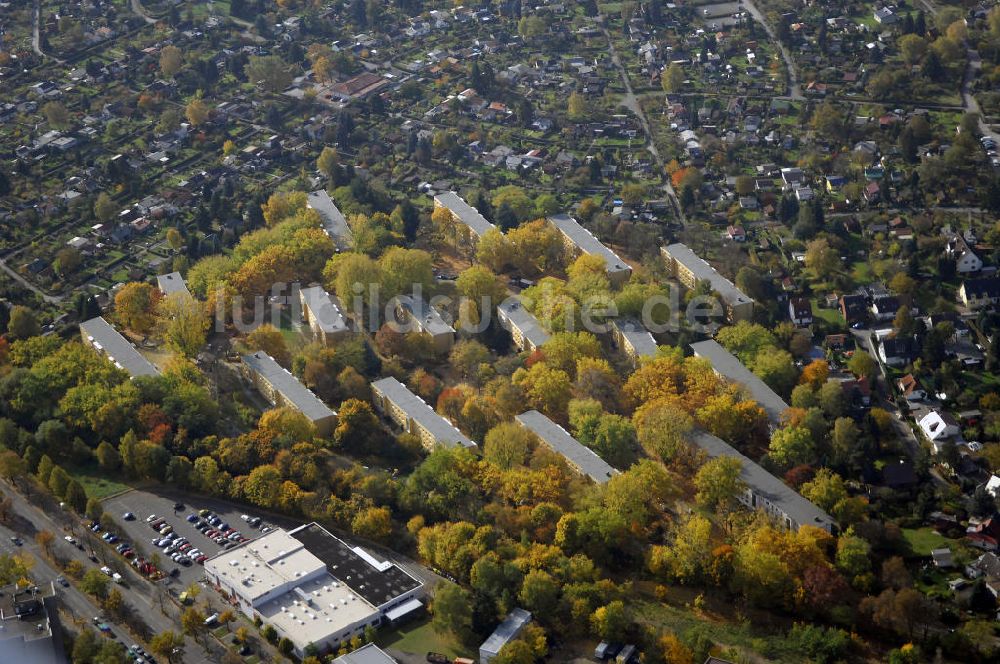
{"x":800,"y":311}
{"x":937,"y":426}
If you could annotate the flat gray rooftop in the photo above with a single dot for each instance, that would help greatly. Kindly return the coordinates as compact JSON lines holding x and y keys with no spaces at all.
{"x":505,"y":631}
{"x":728,"y":365}
{"x":766,"y":485}
{"x":334,"y":222}
{"x":324,"y":309}
{"x":638,"y":336}
{"x":587,"y":243}
{"x":172,"y":283}
{"x":524,"y":320}
{"x":417,"y":409}
{"x":288,"y":386}
{"x":467,"y":214}
{"x":702,"y":271}
{"x":424,"y":316}
{"x":561,"y":442}
{"x":117,"y":348}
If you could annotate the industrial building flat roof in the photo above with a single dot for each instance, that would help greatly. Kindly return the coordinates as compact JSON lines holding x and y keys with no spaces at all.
{"x":587,"y":243}
{"x":369,"y":654}
{"x":638,"y":336}
{"x":324,"y":309}
{"x":262,"y":565}
{"x":702,"y":271}
{"x":117,"y":348}
{"x":424,"y":315}
{"x":766,"y":485}
{"x":172,"y":283}
{"x":728,"y":365}
{"x":560,"y":441}
{"x":377,"y":582}
{"x":505,"y":631}
{"x":524,"y":320}
{"x":467,"y":214}
{"x":419,"y":411}
{"x":288,"y":385}
{"x":334,"y":221}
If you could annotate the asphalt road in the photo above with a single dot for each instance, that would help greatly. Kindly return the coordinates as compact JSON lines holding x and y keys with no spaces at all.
{"x":139,"y":593}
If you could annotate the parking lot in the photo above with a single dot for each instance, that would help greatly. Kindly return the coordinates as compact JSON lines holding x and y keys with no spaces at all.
{"x":144,"y":504}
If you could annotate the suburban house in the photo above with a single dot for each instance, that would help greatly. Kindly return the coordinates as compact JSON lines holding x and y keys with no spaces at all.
{"x":688,"y":268}
{"x":425,"y":319}
{"x":172,"y":283}
{"x":800,"y":311}
{"x":885,"y":307}
{"x":579,"y":240}
{"x":896,"y":351}
{"x":980,"y":292}
{"x":766,"y":492}
{"x":632,"y":338}
{"x":525,"y":330}
{"x":728,"y":366}
{"x":282,"y":389}
{"x":106,"y":340}
{"x":984,"y":534}
{"x":323,"y":315}
{"x":463,"y":213}
{"x":413,"y":415}
{"x":854,"y":308}
{"x":966,"y":260}
{"x":334,"y":221}
{"x":986,"y":567}
{"x":315,"y":589}
{"x":580,"y":458}
{"x":909,"y":388}
{"x":938,"y":426}
{"x":505,"y":632}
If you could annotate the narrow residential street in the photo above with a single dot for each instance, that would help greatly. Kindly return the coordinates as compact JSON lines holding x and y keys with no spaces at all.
{"x":631,"y":102}
{"x":794,"y":88}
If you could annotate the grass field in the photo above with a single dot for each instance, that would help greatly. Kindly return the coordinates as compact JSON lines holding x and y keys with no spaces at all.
{"x":95,"y":483}
{"x":419,"y":638}
{"x":923,"y":540}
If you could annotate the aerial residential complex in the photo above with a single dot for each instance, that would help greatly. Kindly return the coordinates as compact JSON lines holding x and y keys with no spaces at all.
{"x":323,"y":315}
{"x":727,"y":365}
{"x":464,"y":213}
{"x":334,"y":222}
{"x":579,"y":240}
{"x":413,"y":415}
{"x":281,"y":388}
{"x":106,"y":340}
{"x":689,"y":269}
{"x":580,"y":458}
{"x":525,"y":330}
{"x":766,"y":492}
{"x":312,"y":587}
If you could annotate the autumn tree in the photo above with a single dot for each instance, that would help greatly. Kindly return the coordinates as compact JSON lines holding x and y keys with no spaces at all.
{"x":270,"y":72}
{"x":22,"y":324}
{"x":135,"y":306}
{"x":56,"y":114}
{"x":269,"y":339}
{"x":822,"y":258}
{"x":197,"y":112}
{"x":183,"y":322}
{"x":171,"y":60}
{"x":672,"y":78}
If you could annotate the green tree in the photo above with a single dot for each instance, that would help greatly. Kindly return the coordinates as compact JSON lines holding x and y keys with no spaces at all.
{"x":610,"y":622}
{"x":270,"y":72}
{"x":507,"y":445}
{"x":791,"y":446}
{"x":452,"y":609}
{"x":95,"y":583}
{"x":718,"y":482}
{"x":22,"y":323}
{"x":672,"y":78}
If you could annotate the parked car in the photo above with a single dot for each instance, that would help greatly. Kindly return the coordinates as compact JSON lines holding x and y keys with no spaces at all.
{"x":192,"y":518}
{"x":128,"y":516}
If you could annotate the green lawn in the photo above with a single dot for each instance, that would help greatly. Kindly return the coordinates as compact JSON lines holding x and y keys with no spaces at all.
{"x":923,"y":540}
{"x":419,"y":638}
{"x":831,"y":316}
{"x":95,"y":484}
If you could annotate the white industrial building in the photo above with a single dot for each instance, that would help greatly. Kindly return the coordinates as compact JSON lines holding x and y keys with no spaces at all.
{"x":312,"y":587}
